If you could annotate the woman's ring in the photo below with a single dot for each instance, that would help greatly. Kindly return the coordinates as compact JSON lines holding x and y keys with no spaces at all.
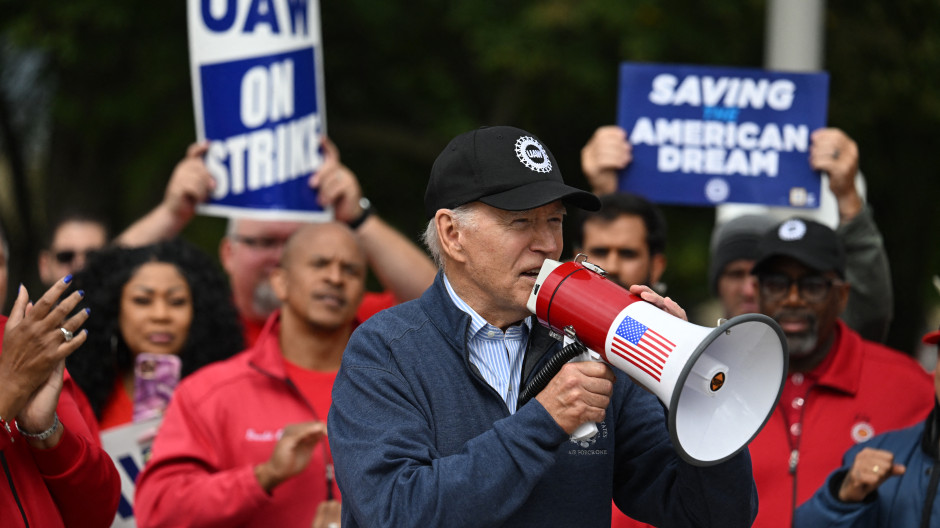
{"x":67,"y":333}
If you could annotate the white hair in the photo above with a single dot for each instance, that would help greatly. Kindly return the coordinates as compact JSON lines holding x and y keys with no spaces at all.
{"x":463,"y":216}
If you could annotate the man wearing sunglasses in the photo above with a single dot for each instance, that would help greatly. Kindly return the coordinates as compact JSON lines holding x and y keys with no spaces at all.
{"x":840,"y":390}
{"x":73,"y":237}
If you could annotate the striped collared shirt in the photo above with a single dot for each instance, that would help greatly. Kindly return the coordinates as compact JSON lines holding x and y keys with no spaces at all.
{"x":496,"y":354}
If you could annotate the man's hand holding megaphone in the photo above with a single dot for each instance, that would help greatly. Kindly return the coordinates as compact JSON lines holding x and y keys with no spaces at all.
{"x":719,"y":385}
{"x":580,"y":392}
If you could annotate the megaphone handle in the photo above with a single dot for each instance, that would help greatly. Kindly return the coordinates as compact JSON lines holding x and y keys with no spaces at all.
{"x":587,"y":430}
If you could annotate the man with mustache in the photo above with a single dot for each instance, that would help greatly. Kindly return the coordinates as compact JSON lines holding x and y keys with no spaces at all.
{"x":840,"y":389}
{"x":243,"y":440}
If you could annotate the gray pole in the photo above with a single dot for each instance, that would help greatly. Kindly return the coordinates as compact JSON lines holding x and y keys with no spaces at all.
{"x":795,"y":35}
{"x":794,"y":41}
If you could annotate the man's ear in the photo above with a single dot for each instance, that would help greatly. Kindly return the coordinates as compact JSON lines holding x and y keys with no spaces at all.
{"x":843,"y":295}
{"x":225,"y":254}
{"x":449,"y":235}
{"x":278,"y":280}
{"x":657,"y":267}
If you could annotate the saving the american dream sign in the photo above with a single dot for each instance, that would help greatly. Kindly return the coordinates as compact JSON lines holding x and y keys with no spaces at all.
{"x":712,"y":135}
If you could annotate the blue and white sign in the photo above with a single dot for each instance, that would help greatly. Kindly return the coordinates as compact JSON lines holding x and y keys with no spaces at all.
{"x":129,"y":448}
{"x":258,"y":97}
{"x":712,"y":135}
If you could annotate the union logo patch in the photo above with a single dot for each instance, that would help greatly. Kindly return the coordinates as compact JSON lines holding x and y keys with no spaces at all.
{"x":862,"y":432}
{"x":532,"y":154}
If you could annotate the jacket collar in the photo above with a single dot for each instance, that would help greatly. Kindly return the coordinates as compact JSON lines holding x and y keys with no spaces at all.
{"x":453,"y":324}
{"x":266,"y":355}
{"x":844,"y":371}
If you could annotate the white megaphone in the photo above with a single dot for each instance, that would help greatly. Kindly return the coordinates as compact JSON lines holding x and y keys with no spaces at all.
{"x":719,"y":385}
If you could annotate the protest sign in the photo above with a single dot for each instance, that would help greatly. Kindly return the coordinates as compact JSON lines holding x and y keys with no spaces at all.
{"x":258,"y":98}
{"x":129,"y":448}
{"x":713,"y":135}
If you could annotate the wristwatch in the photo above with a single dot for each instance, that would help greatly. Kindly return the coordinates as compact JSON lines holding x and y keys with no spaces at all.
{"x":367,"y":211}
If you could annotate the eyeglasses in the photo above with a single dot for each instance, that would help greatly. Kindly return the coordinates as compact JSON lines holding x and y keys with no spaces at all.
{"x":260,"y":243}
{"x":812,"y":288}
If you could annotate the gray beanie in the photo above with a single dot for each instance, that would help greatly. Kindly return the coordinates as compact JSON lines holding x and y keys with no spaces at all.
{"x":733,"y":240}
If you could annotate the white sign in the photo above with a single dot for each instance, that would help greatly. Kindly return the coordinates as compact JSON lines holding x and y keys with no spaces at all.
{"x":129,"y":448}
{"x":258,"y":97}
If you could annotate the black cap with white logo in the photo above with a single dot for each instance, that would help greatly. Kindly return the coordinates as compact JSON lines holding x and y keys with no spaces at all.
{"x":501,"y":166}
{"x":811,"y":243}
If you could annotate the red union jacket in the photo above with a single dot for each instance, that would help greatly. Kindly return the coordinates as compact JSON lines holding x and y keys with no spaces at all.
{"x":222,"y":421}
{"x":74,"y":484}
{"x":865,"y":389}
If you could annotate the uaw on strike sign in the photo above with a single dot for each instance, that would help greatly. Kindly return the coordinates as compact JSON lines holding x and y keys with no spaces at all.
{"x":714,"y":135}
{"x":258,"y":98}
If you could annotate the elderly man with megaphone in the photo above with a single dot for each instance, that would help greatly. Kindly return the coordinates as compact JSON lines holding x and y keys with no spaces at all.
{"x":427,"y":427}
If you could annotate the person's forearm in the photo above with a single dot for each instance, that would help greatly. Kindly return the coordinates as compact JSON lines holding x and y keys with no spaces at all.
{"x":399,"y":264}
{"x":157,"y":225}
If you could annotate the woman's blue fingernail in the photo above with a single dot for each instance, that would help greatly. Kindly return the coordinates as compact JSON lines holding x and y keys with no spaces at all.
{"x":81,"y":292}
{"x":67,"y":279}
{"x":87,"y":310}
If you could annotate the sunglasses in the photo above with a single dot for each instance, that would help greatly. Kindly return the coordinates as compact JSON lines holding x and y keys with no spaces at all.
{"x":67,"y":256}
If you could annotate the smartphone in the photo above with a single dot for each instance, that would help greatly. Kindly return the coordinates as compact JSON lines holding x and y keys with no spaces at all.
{"x":155,"y":378}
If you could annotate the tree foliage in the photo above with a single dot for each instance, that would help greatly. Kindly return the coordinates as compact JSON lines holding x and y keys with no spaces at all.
{"x":403,"y":77}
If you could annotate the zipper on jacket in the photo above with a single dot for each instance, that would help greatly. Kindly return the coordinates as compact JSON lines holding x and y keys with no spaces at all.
{"x":931,"y":495}
{"x":16,"y":497}
{"x":794,"y":460}
{"x":327,"y":455}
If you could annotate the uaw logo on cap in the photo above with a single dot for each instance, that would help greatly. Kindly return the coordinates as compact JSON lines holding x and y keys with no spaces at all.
{"x":792,"y":230}
{"x":531,"y":153}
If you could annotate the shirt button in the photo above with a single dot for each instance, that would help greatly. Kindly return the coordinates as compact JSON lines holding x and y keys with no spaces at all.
{"x":491,"y":333}
{"x":797,"y":403}
{"x":797,"y":378}
{"x":796,"y":429}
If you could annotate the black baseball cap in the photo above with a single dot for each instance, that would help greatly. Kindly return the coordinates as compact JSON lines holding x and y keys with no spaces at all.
{"x":807,"y":241}
{"x":501,"y":166}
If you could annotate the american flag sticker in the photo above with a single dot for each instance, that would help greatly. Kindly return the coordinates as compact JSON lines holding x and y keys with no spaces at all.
{"x":642,"y":347}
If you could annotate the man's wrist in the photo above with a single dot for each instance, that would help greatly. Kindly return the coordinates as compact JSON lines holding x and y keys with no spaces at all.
{"x":264,"y":477}
{"x":42,"y":435}
{"x":367,"y":211}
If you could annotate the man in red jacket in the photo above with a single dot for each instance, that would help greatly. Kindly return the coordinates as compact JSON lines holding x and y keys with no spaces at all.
{"x":244,"y":439}
{"x":56,"y":473}
{"x":840,"y":390}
